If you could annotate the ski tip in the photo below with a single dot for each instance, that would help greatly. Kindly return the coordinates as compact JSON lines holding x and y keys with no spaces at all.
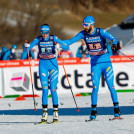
{"x":78,"y":110}
{"x":53,"y":122}
{"x":91,"y":120}
{"x":35,"y":109}
{"x":116,"y":118}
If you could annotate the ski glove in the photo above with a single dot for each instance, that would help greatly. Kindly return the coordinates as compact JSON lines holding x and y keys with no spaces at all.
{"x":27,"y":45}
{"x":114,"y":47}
{"x":57,"y":46}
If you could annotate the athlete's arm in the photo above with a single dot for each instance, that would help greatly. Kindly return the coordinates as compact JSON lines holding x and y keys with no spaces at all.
{"x":6,"y":55}
{"x":62,"y":44}
{"x":105,"y":34}
{"x":109,"y":48}
{"x":79,"y":36}
{"x":32,"y":44}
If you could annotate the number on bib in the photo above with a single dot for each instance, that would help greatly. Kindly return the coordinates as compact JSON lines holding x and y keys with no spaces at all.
{"x":46,"y":50}
{"x":94,"y":46}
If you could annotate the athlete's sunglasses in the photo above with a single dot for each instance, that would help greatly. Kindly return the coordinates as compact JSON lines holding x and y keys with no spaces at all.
{"x":86,"y":24}
{"x":44,"y":32}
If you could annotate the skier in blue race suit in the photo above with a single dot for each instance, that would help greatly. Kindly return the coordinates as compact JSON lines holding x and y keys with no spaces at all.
{"x":25,"y":56}
{"x":95,"y":39}
{"x":48,"y":67}
{"x":11,"y":53}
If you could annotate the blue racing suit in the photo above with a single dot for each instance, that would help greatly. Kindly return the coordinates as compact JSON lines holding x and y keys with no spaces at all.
{"x":48,"y":66}
{"x":100,"y":59}
{"x":9,"y":55}
{"x":4,"y":50}
{"x":24,"y":56}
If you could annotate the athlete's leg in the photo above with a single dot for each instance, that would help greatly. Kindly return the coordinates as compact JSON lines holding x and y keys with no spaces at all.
{"x":109,"y":76}
{"x":43,"y":74}
{"x":53,"y":84}
{"x":95,"y":75}
{"x":53,"y":75}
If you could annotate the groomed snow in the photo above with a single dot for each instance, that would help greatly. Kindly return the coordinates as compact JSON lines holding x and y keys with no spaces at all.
{"x":18,"y":117}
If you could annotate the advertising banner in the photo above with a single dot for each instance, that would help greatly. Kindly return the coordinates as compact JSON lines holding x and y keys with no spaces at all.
{"x":1,"y":84}
{"x":17,"y":79}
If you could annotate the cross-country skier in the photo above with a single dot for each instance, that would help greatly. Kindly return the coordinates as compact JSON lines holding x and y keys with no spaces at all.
{"x":48,"y":68}
{"x":25,"y":56}
{"x":95,"y":39}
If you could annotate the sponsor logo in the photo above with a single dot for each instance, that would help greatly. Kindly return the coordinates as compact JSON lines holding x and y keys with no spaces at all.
{"x":97,"y":53}
{"x":20,"y":81}
{"x":32,"y":62}
{"x":121,"y":79}
{"x":46,"y":56}
{"x":93,"y":39}
{"x":48,"y":42}
{"x":43,"y":74}
{"x":52,"y":71}
{"x":108,"y":69}
{"x":45,"y":87}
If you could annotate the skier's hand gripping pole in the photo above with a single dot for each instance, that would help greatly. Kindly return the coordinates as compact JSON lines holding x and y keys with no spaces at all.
{"x":31,"y":79}
{"x":68,"y":81}
{"x":125,"y":55}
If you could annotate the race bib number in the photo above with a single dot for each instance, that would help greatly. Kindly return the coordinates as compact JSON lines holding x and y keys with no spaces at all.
{"x":94,"y":46}
{"x":46,"y":50}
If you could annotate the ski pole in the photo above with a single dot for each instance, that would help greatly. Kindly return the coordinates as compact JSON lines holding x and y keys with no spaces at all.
{"x":31,"y":80}
{"x":68,"y":81}
{"x":125,"y":55}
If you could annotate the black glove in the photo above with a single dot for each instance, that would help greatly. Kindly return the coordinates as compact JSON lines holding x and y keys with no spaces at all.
{"x":114,"y":48}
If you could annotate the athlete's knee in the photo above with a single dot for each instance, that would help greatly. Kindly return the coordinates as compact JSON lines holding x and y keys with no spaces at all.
{"x":44,"y":87}
{"x":53,"y":91}
{"x":45,"y":90}
{"x":95,"y":87}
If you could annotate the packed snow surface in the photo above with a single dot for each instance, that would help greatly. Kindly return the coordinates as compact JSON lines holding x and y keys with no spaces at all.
{"x":18,"y":117}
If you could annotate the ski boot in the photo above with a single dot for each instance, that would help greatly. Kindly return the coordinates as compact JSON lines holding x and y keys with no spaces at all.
{"x":55,"y":115}
{"x":44,"y":116}
{"x":116,"y":110}
{"x":93,"y":113}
